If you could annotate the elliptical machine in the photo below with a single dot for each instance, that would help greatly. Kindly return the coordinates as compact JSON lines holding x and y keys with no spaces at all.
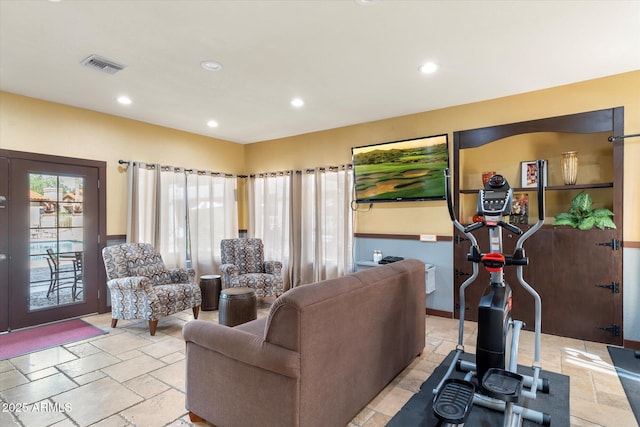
{"x":493,"y":381}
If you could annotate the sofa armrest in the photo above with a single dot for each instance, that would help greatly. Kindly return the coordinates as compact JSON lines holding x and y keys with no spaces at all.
{"x":273,"y":267}
{"x":242,"y":346}
{"x":134,"y":283}
{"x":230,"y":269}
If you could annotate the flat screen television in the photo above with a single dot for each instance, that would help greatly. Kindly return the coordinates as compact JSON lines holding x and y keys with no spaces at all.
{"x":408,"y":170}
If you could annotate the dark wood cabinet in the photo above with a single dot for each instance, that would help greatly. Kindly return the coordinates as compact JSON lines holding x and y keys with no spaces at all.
{"x":578,"y":274}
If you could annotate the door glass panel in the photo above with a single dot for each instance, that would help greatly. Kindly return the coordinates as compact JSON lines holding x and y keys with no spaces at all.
{"x":56,"y":240}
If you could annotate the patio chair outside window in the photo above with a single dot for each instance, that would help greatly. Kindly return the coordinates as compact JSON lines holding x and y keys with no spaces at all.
{"x":66,"y":272}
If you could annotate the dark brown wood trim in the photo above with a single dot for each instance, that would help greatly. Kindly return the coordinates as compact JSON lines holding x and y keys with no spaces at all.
{"x":628,"y":244}
{"x":101,"y":167}
{"x":635,"y":345}
{"x":400,"y":237}
{"x":439,"y":313}
{"x":103,"y":304}
{"x":23,"y":155}
{"x":589,"y":122}
{"x":116,"y":237}
{"x":553,"y":187}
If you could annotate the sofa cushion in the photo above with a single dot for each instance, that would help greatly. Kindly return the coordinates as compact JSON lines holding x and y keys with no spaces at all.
{"x":254,"y":327}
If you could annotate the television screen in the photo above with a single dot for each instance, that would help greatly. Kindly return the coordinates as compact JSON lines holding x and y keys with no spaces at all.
{"x":401,"y":170}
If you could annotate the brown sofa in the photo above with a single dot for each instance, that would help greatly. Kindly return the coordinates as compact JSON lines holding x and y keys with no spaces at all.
{"x":323,"y":353}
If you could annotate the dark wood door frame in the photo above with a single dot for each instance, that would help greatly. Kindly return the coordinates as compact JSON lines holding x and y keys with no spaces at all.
{"x":101,"y":167}
{"x":4,"y":240}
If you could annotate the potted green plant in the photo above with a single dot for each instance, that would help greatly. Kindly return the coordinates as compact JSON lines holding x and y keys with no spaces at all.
{"x":581,"y":215}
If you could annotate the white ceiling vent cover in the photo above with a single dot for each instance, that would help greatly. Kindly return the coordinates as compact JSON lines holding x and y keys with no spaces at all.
{"x":103,"y":64}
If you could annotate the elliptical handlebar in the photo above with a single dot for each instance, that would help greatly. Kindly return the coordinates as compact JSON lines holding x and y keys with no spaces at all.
{"x":447,"y":193}
{"x":452,"y":214}
{"x":540,"y":165}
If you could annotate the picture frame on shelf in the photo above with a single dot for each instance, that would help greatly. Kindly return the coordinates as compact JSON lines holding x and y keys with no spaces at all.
{"x":519,"y":209}
{"x":529,"y":174}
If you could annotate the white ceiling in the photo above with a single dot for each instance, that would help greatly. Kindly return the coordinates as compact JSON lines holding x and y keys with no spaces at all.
{"x":351,"y":63}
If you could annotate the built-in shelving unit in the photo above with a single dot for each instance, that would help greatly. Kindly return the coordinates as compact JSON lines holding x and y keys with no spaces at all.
{"x":553,"y":187}
{"x":577,"y":273}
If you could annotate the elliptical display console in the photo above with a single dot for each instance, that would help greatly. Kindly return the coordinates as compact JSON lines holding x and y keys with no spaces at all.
{"x":495,"y":198}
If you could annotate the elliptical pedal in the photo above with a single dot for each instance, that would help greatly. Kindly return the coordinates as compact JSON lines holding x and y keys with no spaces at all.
{"x":503,"y":385}
{"x":453,"y":402}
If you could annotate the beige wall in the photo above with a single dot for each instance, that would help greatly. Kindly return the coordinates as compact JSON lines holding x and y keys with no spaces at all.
{"x":42,"y":127}
{"x":333,"y":146}
{"x":36,"y":126}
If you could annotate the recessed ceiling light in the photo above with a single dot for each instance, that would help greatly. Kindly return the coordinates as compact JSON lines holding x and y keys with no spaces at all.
{"x":212,"y":124}
{"x":428,"y":67}
{"x":297,"y":102}
{"x":211,"y":65}
{"x":124,"y":100}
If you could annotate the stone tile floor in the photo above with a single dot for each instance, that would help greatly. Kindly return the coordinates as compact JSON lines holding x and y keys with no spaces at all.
{"x":129,"y":378}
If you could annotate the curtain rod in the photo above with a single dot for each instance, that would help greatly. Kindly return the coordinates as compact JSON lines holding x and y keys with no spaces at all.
{"x":282,"y":173}
{"x":619,"y":137}
{"x":177,"y":168}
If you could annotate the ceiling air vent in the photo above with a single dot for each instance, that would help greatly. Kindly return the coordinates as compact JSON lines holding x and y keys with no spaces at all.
{"x":102,"y":64}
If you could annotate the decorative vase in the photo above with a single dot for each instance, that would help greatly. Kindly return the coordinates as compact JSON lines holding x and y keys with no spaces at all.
{"x":570,"y":167}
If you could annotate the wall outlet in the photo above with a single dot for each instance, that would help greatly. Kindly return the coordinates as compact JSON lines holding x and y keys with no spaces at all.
{"x":428,"y":238}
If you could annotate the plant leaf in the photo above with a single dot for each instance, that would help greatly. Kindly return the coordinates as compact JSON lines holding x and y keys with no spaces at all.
{"x":582,"y":203}
{"x":587,"y":223}
{"x":564,"y":216}
{"x":602,"y":212}
{"x":565,"y":220}
{"x":603,"y":222}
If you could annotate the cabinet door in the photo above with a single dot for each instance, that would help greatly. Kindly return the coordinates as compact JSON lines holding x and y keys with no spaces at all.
{"x":583,"y":306}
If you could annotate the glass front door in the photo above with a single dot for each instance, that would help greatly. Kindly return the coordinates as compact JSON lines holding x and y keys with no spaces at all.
{"x":54,"y":242}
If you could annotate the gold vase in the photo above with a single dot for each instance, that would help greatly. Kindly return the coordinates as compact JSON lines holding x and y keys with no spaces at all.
{"x":570,"y":167}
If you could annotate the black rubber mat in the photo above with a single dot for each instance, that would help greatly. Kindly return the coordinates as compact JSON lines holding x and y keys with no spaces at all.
{"x":418,"y":410}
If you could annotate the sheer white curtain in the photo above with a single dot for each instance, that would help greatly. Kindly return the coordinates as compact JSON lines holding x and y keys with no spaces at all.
{"x":305,"y":220}
{"x":173,"y":217}
{"x":324,"y":244}
{"x":183,"y":214}
{"x":143,"y":186}
{"x":269,"y":215}
{"x":213,"y":216}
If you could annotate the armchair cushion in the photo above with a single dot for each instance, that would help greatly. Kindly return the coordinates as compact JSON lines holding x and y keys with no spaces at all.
{"x":138,"y":283}
{"x":154,"y":271}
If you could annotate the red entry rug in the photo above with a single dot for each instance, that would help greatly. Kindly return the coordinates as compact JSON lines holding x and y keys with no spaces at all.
{"x":39,"y":338}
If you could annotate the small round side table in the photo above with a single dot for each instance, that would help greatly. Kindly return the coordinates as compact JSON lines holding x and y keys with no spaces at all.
{"x":210,"y":287}
{"x":237,"y":306}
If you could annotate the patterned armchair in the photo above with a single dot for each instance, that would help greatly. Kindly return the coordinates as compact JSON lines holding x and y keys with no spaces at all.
{"x":142,"y":288}
{"x":243,"y":265}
